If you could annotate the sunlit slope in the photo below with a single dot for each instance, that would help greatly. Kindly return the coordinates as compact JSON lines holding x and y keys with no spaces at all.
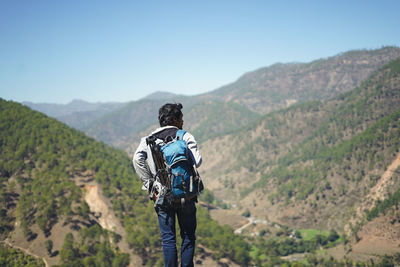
{"x":280,"y":85}
{"x":41,"y":163}
{"x":311,"y":164}
{"x":46,"y":171}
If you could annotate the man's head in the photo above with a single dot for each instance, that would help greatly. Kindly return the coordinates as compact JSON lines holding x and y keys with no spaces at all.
{"x":171,"y":115}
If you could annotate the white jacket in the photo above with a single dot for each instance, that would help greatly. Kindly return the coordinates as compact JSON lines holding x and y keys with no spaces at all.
{"x":140,"y":157}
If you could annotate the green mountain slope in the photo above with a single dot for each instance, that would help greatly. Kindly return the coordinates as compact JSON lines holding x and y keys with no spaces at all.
{"x":41,"y":159}
{"x":210,"y":119}
{"x":46,"y":171}
{"x":310,"y":165}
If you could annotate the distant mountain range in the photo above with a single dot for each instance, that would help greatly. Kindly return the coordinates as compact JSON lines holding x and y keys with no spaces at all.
{"x":77,"y":113}
{"x":257,"y":92}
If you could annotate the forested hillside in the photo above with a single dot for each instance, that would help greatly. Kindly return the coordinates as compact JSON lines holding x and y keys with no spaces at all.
{"x":313,"y":164}
{"x":43,"y":209}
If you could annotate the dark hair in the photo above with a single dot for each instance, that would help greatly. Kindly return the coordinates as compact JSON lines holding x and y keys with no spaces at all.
{"x":168,"y":112}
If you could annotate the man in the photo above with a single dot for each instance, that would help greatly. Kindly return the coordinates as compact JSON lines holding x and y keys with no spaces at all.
{"x":171,"y":120}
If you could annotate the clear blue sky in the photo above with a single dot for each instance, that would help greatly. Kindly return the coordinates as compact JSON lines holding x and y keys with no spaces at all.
{"x":59,"y":50}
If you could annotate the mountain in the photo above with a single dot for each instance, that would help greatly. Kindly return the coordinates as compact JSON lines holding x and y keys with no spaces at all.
{"x":281,"y":85}
{"x":323,"y":164}
{"x":210,"y":119}
{"x":160,"y":95}
{"x":77,"y":113}
{"x":74,"y":201}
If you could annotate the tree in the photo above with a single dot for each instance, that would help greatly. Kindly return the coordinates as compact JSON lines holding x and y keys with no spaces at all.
{"x":333,"y":236}
{"x":121,"y":260}
{"x":207,"y":196}
{"x":67,"y":252}
{"x":85,"y":210}
{"x":246,"y":213}
{"x":49,"y":246}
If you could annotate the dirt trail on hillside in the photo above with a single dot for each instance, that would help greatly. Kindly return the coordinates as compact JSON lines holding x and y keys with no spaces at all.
{"x":101,"y":206}
{"x":98,"y":204}
{"x":240,"y":229}
{"x":378,"y":191}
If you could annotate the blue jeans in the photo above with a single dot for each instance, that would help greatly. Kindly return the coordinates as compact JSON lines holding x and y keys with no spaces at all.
{"x":186,"y":215}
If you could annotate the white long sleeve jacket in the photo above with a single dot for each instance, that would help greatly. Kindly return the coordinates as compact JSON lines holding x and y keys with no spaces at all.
{"x":140,"y":157}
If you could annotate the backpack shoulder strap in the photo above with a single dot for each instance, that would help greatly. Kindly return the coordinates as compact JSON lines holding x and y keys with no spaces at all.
{"x":166,"y":134}
{"x":180,"y":133}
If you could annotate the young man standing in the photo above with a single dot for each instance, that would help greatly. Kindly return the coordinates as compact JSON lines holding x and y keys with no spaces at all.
{"x":171,"y":120}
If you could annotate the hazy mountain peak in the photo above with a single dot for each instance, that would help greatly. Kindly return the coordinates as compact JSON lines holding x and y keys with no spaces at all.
{"x":160,"y":95}
{"x":78,"y":101}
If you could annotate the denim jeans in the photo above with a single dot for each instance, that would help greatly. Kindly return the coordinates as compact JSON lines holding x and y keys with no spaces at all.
{"x":186,"y":215}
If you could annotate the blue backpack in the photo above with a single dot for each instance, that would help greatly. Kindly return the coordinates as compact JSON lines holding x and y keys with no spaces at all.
{"x":183,"y":177}
{"x":175,"y":176}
